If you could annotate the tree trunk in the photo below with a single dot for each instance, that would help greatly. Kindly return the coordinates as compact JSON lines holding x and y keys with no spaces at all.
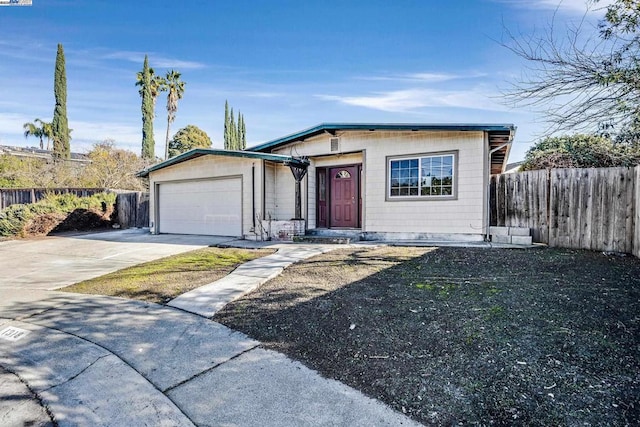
{"x":166,"y":143}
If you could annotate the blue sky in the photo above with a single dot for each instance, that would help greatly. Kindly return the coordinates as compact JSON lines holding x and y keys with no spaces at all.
{"x":285,"y":64}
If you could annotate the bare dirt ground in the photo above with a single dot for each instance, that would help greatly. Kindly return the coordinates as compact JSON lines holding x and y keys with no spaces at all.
{"x":463,"y":335}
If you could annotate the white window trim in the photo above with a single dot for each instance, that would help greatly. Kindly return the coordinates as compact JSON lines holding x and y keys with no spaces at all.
{"x":419,"y":157}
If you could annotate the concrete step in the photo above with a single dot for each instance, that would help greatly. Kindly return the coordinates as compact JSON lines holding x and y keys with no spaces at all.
{"x":353,"y":234}
{"x":509,"y":231}
{"x":519,"y":231}
{"x":511,"y":235}
{"x":328,"y":240}
{"x":512,"y":240}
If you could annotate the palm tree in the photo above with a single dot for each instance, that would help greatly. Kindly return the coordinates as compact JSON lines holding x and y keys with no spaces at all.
{"x":31,"y":129}
{"x":47,"y":130}
{"x":175,"y":88}
{"x":158,"y":84}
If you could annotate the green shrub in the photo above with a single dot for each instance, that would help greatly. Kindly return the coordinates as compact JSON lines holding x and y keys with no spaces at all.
{"x":14,"y":218}
{"x":579,"y":151}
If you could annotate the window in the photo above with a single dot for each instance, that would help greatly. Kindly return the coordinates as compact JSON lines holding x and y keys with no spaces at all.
{"x":424,"y":176}
{"x":322,"y":186}
{"x":343,"y":174}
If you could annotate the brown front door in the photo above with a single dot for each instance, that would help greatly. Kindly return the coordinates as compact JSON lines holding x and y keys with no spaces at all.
{"x":344,"y":197}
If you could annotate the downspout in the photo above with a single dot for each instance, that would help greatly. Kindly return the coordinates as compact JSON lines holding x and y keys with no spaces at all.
{"x":253,"y":194}
{"x":500,"y":147}
{"x":264,"y":189}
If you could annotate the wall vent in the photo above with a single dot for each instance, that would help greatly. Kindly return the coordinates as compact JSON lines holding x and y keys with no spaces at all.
{"x":335,"y":144}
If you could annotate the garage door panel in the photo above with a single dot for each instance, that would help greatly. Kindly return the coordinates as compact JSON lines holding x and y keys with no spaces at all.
{"x":210,"y":207}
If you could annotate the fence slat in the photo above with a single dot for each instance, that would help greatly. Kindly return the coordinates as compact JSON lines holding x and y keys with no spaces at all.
{"x":636,"y":214}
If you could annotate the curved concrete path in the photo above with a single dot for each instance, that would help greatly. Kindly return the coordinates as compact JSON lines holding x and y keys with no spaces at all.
{"x":91,"y":360}
{"x":112,"y":362}
{"x":208,"y":299}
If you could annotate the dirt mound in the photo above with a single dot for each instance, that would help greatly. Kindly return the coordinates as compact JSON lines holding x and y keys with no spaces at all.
{"x":42,"y":224}
{"x":78,"y":220}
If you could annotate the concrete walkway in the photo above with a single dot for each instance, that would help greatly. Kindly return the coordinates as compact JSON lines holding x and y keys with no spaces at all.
{"x":103,"y":361}
{"x":208,"y":299}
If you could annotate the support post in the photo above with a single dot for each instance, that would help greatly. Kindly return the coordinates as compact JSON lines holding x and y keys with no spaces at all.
{"x":299,"y":170}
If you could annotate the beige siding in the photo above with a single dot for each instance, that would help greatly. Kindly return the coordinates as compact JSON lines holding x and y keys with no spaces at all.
{"x":285,"y":194}
{"x":208,"y":167}
{"x":269,"y":190}
{"x":463,"y":215}
{"x":311,"y":200}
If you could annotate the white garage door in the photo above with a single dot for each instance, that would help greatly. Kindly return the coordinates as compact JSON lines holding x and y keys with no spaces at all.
{"x":210,"y":207}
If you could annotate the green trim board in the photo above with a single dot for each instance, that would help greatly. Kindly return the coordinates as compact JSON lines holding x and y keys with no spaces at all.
{"x":199,"y":152}
{"x":332,"y":128}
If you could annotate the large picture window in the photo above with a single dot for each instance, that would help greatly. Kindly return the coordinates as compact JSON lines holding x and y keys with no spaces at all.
{"x":422,"y":176}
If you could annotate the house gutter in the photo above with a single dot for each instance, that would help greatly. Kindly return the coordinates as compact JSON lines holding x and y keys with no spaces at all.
{"x":500,"y":147}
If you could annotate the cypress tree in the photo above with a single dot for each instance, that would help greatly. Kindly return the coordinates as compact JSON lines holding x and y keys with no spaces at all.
{"x":233,"y":132}
{"x":148,"y":144}
{"x":242,"y":138}
{"x":227,"y":139}
{"x":244,"y":134}
{"x":60,"y":124}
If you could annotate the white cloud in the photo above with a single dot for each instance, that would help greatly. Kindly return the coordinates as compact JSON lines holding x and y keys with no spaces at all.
{"x":406,"y":100}
{"x":99,"y":131}
{"x":425,"y":77}
{"x":573,"y":6}
{"x":439,"y":77}
{"x":154,"y":60}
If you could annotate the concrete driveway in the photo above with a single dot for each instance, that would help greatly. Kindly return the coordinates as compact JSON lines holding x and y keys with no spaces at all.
{"x":54,"y":262}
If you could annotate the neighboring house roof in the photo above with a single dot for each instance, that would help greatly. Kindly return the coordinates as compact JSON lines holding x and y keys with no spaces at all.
{"x":499,"y":135}
{"x":199,"y":152}
{"x":39,"y":153}
{"x":513,"y":167}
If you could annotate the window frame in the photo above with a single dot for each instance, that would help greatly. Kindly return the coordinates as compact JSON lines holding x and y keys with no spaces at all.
{"x":419,"y":157}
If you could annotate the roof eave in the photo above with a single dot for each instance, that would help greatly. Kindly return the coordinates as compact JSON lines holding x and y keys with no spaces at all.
{"x":332,"y":127}
{"x":199,"y":152}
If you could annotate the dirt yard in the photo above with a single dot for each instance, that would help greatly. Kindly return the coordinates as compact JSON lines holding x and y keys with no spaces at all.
{"x":470,"y":336}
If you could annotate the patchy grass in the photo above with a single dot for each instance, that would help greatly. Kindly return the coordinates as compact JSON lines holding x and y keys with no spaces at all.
{"x":162,"y":280}
{"x":461,"y":335}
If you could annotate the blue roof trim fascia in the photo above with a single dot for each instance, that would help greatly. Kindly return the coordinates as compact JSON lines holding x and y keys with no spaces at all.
{"x":199,"y":152}
{"x":316,"y":130}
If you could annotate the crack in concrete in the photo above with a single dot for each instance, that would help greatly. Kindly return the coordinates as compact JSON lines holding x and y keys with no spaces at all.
{"x":217,"y":365}
{"x":35,"y":395}
{"x":79,"y":373}
{"x":31,"y":315}
{"x":123,"y":361}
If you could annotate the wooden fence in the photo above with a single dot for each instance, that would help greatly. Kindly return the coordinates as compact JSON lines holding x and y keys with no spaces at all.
{"x":596,"y":209}
{"x":133,"y":209}
{"x":13,"y":196}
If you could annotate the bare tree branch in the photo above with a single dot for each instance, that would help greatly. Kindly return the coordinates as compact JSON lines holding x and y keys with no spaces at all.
{"x":584,"y":77}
